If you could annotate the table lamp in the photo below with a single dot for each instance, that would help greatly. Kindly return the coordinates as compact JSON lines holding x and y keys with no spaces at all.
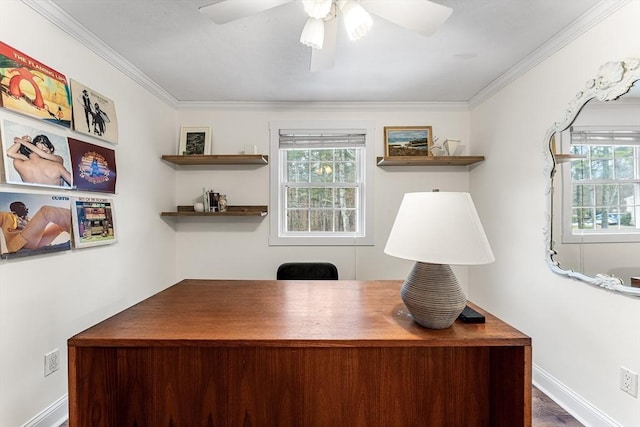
{"x":436,"y":229}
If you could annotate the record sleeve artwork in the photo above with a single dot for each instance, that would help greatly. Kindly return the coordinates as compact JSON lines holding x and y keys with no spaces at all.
{"x":94,"y":167}
{"x":32,"y":224}
{"x":93,"y":113}
{"x":32,"y":88}
{"x":94,"y":222}
{"x":35,"y":155}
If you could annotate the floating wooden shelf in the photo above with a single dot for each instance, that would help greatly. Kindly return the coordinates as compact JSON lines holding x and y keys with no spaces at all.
{"x":218,"y":159}
{"x":429,"y":161}
{"x":561,"y":158}
{"x":185,"y":211}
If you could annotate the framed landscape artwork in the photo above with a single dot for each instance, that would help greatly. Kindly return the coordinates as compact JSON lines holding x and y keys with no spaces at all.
{"x":407,"y":141}
{"x":194,"y":141}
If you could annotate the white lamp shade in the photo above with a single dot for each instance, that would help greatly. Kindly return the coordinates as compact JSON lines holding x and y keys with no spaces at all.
{"x":357,"y":21}
{"x":313,"y":33}
{"x":439,"y":228}
{"x":318,"y":9}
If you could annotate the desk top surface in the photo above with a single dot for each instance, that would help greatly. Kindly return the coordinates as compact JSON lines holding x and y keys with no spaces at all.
{"x":285,"y":313}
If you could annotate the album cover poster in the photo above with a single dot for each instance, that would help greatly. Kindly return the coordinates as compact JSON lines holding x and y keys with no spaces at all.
{"x":34,"y":224}
{"x":34,"y":155}
{"x":94,"y":222}
{"x":93,"y":167}
{"x":32,"y":88}
{"x":93,"y":113}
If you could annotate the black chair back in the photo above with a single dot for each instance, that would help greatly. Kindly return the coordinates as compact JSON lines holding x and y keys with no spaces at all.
{"x":307,"y":271}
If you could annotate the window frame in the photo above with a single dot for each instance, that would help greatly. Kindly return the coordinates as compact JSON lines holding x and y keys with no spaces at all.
{"x":276,"y":194}
{"x":591,"y":236}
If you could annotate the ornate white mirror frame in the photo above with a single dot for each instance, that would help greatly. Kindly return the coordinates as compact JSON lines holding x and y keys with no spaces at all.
{"x":613,"y":80}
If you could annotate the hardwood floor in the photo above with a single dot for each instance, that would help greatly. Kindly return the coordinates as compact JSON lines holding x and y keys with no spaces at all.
{"x":546,"y":413}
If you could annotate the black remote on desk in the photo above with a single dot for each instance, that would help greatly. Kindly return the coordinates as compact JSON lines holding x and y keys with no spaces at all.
{"x":469,"y":315}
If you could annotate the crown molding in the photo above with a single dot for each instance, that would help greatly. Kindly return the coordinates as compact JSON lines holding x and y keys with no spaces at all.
{"x":596,"y":14}
{"x":323,"y":106}
{"x":66,"y":23}
{"x":578,"y":27}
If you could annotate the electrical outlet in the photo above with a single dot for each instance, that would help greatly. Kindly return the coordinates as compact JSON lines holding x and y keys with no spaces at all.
{"x":51,"y":362}
{"x":629,"y":381}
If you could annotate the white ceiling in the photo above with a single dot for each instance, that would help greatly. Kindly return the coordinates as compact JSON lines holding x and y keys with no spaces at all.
{"x":170,"y":45}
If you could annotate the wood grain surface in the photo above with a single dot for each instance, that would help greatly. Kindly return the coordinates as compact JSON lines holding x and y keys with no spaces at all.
{"x":294,"y":353}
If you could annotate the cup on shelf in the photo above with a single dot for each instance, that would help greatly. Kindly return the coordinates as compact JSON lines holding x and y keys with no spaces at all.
{"x":453,"y":147}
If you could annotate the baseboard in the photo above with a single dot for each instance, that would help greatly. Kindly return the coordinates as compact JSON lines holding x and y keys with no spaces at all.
{"x":53,"y":416}
{"x":574,"y":404}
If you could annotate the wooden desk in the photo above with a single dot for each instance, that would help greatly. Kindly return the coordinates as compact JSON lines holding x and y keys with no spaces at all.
{"x":294,"y":353}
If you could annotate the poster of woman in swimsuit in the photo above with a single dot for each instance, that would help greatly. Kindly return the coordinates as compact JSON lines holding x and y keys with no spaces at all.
{"x":32,"y":88}
{"x":93,"y":113}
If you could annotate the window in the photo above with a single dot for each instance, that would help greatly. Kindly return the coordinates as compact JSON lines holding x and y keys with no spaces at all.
{"x":603,"y":186}
{"x":321,"y":189}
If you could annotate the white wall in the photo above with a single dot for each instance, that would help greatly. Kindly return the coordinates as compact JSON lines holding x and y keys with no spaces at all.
{"x":44,"y":300}
{"x":238,"y":248}
{"x":581,"y":335}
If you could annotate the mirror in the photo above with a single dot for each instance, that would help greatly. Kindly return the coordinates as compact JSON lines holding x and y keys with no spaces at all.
{"x":592,"y":230}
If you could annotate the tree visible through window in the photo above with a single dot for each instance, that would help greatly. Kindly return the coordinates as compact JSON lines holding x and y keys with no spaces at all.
{"x":605,"y":184}
{"x":321,"y":188}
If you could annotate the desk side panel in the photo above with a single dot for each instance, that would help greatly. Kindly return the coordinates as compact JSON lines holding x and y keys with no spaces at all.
{"x":510,"y":386}
{"x":288,"y":387}
{"x":93,"y":386}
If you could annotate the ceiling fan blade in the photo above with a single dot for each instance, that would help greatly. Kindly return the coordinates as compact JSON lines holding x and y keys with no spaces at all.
{"x":421,"y":16}
{"x":323,"y":59}
{"x":230,"y":10}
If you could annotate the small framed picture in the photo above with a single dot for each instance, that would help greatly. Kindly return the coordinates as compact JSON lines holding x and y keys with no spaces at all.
{"x":407,"y":141}
{"x":194,"y":141}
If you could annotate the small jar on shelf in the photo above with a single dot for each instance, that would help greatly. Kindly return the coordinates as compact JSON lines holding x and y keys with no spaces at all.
{"x":222,"y":203}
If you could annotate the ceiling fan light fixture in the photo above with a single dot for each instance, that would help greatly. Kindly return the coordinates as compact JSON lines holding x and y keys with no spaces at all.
{"x":357,"y":21}
{"x":313,"y":33}
{"x":318,"y":9}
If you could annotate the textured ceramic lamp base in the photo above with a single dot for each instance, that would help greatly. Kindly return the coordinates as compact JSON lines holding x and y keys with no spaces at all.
{"x":433,"y":295}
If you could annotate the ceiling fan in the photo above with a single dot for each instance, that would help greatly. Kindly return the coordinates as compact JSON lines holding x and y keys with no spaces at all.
{"x":321,"y":28}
